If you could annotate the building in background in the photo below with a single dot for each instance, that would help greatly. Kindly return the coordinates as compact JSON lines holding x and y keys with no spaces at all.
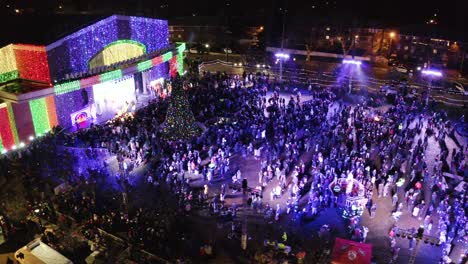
{"x":90,"y":76}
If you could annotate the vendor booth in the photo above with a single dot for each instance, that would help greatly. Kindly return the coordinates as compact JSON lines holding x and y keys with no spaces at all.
{"x":351,"y":252}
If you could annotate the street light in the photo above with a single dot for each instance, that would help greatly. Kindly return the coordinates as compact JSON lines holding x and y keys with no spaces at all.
{"x":354,"y":62}
{"x":282,"y":56}
{"x":392,"y":35}
{"x":207,"y":45}
{"x":431,"y":74}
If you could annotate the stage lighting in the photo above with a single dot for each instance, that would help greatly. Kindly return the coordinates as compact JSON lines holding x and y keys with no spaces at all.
{"x":355,"y":62}
{"x":432,"y":73}
{"x":282,"y":56}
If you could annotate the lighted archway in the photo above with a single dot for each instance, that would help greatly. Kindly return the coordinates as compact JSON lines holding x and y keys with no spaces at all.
{"x":117,"y":51}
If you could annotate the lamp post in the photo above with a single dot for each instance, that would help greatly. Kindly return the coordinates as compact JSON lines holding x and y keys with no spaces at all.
{"x":392,"y":35}
{"x":356,"y":37}
{"x":281,"y":56}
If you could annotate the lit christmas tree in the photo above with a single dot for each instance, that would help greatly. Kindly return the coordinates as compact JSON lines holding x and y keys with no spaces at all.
{"x":180,"y":122}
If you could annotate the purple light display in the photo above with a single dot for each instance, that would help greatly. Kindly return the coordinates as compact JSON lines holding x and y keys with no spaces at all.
{"x":72,"y":53}
{"x":159,"y":71}
{"x":70,"y":102}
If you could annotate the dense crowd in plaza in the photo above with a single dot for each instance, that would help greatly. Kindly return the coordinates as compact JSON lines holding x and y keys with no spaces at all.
{"x":375,"y":151}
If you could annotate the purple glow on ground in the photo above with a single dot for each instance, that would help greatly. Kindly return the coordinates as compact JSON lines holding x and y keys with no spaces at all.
{"x":432,"y":73}
{"x":355,"y":62}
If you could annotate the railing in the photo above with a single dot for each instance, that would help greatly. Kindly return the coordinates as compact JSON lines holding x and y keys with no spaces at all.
{"x":328,"y":79}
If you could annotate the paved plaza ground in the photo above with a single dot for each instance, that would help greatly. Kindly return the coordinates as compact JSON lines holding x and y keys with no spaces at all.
{"x":303,"y":233}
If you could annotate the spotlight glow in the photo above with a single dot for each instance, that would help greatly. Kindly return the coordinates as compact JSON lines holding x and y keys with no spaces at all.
{"x":283,"y":56}
{"x":355,"y":62}
{"x":4,"y":151}
{"x":432,"y":73}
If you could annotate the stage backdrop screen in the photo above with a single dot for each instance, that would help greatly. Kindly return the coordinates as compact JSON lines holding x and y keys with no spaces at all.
{"x":113,"y":97}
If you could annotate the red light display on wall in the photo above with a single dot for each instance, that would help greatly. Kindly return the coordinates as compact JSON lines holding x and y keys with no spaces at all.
{"x":173,"y":66}
{"x":8,"y":139}
{"x":31,"y":62}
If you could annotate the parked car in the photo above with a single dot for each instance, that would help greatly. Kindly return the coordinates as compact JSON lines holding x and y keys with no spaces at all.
{"x":388,"y":89}
{"x":457,"y":88}
{"x":193,"y":50}
{"x":401,"y":69}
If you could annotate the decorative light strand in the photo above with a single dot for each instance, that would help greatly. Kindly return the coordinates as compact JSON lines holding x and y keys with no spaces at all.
{"x":67,"y":87}
{"x":167,"y":56}
{"x":145,"y":65}
{"x":110,"y":75}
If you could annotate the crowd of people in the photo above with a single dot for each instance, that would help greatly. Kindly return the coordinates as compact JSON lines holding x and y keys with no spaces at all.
{"x":374,"y":150}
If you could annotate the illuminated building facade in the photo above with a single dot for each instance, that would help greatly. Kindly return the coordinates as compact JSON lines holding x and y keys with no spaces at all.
{"x":90,"y":75}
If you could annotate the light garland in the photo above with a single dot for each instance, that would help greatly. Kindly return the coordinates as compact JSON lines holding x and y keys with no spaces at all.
{"x":142,"y":66}
{"x":167,"y":56}
{"x":145,"y":65}
{"x":39,"y":116}
{"x":110,"y":75}
{"x":67,"y":87}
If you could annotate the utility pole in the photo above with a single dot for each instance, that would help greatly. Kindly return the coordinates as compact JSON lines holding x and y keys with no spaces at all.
{"x":461,"y":64}
{"x":244,"y":217}
{"x":419,"y":236}
{"x":282,"y":45}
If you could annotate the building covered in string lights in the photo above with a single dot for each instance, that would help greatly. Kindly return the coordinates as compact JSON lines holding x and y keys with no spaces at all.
{"x":91,"y":75}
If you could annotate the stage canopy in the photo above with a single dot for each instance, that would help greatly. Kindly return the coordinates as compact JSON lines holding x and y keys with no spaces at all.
{"x":351,"y":252}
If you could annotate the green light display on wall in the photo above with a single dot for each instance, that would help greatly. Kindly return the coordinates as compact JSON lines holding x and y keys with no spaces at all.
{"x":180,"y":63}
{"x":145,"y":65}
{"x":39,"y":115}
{"x":1,"y":144}
{"x":167,"y":56}
{"x":110,"y":75}
{"x":181,"y":47}
{"x":67,"y":87}
{"x":8,"y":76}
{"x":11,"y":116}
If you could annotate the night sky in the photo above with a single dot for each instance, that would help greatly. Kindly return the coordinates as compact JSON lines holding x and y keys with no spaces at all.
{"x":40,"y":21}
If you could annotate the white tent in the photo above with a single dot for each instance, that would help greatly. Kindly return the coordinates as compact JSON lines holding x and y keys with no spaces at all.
{"x":37,"y":252}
